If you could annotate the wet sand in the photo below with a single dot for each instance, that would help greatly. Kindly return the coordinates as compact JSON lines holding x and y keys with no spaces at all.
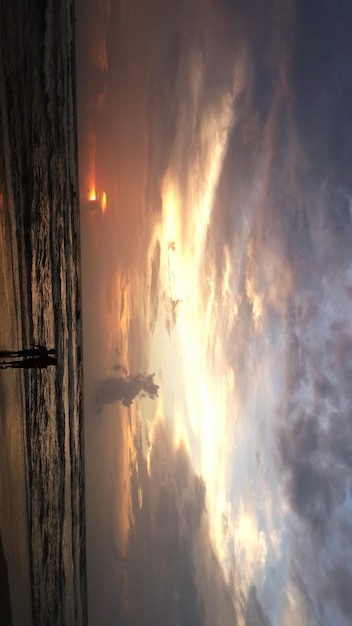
{"x":14,"y":556}
{"x":5,"y":600}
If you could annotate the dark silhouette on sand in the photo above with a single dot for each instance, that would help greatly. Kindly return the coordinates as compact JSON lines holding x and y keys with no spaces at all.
{"x":40,"y":362}
{"x":27,"y":352}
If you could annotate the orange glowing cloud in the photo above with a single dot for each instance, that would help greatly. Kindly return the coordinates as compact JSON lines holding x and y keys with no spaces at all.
{"x":103,"y":202}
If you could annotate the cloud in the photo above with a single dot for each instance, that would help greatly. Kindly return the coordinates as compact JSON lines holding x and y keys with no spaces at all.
{"x":339,"y":588}
{"x":287,"y":221}
{"x":125,"y":389}
{"x":315,"y":452}
{"x":325,"y":45}
{"x":168,"y":532}
{"x":154,"y":286}
{"x":282,"y":207}
{"x":316,"y":484}
{"x":254,"y":614}
{"x":315,"y":429}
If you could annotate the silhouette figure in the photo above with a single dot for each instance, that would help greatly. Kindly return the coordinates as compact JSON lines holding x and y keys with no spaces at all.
{"x":28,"y":352}
{"x":41,"y":361}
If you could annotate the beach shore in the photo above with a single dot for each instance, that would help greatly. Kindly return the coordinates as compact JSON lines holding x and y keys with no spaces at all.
{"x":15,"y":601}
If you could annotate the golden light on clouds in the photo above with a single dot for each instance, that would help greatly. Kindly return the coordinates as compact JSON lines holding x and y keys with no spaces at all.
{"x":181,"y":435}
{"x":214,"y":274}
{"x":103,"y":202}
{"x":159,"y":418}
{"x":191,"y":348}
{"x":88,"y":173}
{"x":199,"y":399}
{"x":250,"y":545}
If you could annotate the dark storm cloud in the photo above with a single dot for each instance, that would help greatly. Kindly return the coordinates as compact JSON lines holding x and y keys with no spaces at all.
{"x":315,"y":452}
{"x":292,"y":116}
{"x":167,"y":532}
{"x":316,"y":481}
{"x":324,"y":591}
{"x":322,"y":81}
{"x":257,"y":196}
{"x":286,"y":190}
{"x":316,"y":442}
{"x":125,"y":389}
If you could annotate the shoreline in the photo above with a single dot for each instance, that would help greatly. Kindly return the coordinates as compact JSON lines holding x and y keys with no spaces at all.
{"x":40,"y":231}
{"x":14,"y":558}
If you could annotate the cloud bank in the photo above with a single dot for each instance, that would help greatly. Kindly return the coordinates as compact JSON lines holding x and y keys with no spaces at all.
{"x":168,"y":531}
{"x":241,"y":192}
{"x":125,"y":389}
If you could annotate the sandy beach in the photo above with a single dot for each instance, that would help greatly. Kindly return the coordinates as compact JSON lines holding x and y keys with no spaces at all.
{"x":15,"y":605}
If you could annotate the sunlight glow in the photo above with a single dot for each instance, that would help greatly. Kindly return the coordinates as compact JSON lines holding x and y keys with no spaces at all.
{"x":250,"y":545}
{"x":103,"y":202}
{"x":193,"y":348}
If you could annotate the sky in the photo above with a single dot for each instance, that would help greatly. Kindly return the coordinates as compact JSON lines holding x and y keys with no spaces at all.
{"x":215,"y":144}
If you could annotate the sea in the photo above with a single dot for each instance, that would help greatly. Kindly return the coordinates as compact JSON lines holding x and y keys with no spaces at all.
{"x":40,"y":210}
